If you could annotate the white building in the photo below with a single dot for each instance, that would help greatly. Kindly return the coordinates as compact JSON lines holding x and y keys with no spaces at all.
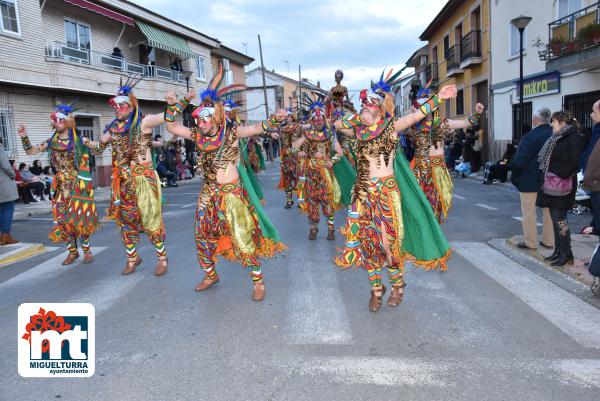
{"x":563,"y":77}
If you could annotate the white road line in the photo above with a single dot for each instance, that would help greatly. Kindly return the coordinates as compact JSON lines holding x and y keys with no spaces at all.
{"x":105,"y":293}
{"x":483,"y":205}
{"x":459,"y":197}
{"x":189,"y":205}
{"x":519,"y":218}
{"x":51,"y":268}
{"x":316,"y":311}
{"x":576,"y":318}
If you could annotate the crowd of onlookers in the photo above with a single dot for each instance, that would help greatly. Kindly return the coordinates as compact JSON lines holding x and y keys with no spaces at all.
{"x":33,"y":182}
{"x":174,"y":161}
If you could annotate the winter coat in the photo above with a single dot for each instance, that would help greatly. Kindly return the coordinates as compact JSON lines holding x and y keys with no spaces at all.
{"x":592,"y":167}
{"x":8,"y":187}
{"x":525,"y":168}
{"x":564,"y":162}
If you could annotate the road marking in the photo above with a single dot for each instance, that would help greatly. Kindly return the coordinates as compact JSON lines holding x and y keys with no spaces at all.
{"x":412,"y":372}
{"x":51,"y":268}
{"x":316,"y":310}
{"x":520,"y":219}
{"x":576,"y":318}
{"x":459,"y":197}
{"x":483,"y":205}
{"x":189,"y":205}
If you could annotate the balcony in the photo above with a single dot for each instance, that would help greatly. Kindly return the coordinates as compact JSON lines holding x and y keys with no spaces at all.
{"x":453,"y":61}
{"x":470,"y":49}
{"x":61,"y":51}
{"x":431,"y":74}
{"x":574,"y":41}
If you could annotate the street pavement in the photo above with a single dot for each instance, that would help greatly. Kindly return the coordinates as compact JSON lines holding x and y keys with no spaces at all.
{"x":498,"y":325}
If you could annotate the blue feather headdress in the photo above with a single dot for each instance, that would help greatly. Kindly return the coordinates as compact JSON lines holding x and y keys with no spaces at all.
{"x":316,"y":107}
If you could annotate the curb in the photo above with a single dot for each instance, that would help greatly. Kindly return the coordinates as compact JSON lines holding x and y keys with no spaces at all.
{"x":21,"y":252}
{"x":586,"y":279}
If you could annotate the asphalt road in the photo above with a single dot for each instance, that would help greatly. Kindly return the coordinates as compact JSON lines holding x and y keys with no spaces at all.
{"x":494,"y":327}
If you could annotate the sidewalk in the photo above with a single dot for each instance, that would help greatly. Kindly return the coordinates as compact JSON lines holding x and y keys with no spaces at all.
{"x":583,"y":247}
{"x":23,"y":211}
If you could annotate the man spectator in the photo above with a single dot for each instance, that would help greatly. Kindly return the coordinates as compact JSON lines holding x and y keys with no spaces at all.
{"x":590,"y":161}
{"x":526,"y":177}
{"x":32,"y":181}
{"x":8,"y":195}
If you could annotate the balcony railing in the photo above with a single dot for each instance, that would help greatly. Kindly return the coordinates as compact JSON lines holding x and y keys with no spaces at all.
{"x":470,"y":45}
{"x":57,"y":50}
{"x":565,"y":35}
{"x":453,"y":59}
{"x":431,"y":73}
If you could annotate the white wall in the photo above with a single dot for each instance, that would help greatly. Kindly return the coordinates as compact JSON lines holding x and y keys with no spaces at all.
{"x":255,"y":100}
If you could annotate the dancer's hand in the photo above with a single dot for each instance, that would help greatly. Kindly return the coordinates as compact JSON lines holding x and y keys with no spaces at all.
{"x":22,"y":131}
{"x":479,"y":108}
{"x":447,"y":92}
{"x":171,"y":97}
{"x":106,"y":138}
{"x":275,"y":135}
{"x":190,"y":95}
{"x":329,"y":164}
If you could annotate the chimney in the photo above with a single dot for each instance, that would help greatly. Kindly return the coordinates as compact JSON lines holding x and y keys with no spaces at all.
{"x":318,"y":84}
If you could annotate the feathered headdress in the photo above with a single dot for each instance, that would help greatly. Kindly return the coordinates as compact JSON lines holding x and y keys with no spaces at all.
{"x":125,"y":91}
{"x":316,"y":107}
{"x":213,"y":95}
{"x":383,"y":87}
{"x":63,"y":111}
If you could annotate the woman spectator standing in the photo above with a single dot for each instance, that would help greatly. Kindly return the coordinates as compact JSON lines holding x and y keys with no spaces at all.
{"x":559,"y":163}
{"x":8,"y":195}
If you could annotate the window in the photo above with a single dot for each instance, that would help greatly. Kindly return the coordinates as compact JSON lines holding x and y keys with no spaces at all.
{"x":460,"y":103}
{"x":228,"y":72}
{"x":6,"y":127}
{"x":77,"y":35}
{"x":201,"y":68}
{"x":446,"y":46}
{"x":567,"y":7}
{"x":434,"y":56}
{"x":514,"y":41}
{"x":9,"y":21}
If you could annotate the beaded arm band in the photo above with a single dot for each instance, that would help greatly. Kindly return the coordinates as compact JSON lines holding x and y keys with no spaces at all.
{"x":474,"y":119}
{"x":26,"y":143}
{"x":171,"y":110}
{"x":269,"y":124}
{"x":431,"y":105}
{"x":350,"y":120}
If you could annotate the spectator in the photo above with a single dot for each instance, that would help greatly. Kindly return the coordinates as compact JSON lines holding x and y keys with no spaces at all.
{"x":117,"y":53}
{"x":464,"y":167}
{"x":32,"y":181}
{"x":454,"y":152}
{"x":477,"y":143}
{"x":163,"y":171}
{"x":36,"y":168}
{"x":8,"y":195}
{"x":25,"y":194}
{"x":499,"y":170}
{"x":47,"y":177}
{"x":559,"y":162}
{"x":594,"y":270}
{"x":590,"y":163}
{"x":525,"y":175}
{"x":176,"y":65}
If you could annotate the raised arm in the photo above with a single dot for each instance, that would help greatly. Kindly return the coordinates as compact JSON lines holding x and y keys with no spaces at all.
{"x":261,"y":128}
{"x":172,"y":109}
{"x":297,"y":144}
{"x":179,"y":130}
{"x":446,"y":92}
{"x":152,"y":121}
{"x":29,"y":149}
{"x":473,"y":119}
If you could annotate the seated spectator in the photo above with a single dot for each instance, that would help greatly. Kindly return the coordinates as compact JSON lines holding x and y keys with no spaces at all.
{"x":47,"y":176}
{"x":36,"y":168}
{"x":163,"y":171}
{"x":499,"y":171}
{"x":23,"y":189}
{"x":454,"y":152}
{"x":32,"y":181}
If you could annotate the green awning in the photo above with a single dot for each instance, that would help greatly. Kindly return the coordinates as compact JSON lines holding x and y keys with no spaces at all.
{"x":165,"y":40}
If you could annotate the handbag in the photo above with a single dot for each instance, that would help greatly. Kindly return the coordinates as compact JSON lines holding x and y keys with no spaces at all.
{"x":557,"y":186}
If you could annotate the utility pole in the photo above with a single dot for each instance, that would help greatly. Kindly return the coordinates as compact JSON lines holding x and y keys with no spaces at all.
{"x":263,"y":79}
{"x":299,"y":90}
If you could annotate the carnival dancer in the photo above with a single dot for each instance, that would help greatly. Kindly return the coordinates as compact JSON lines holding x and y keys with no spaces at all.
{"x":289,"y":158}
{"x":318,"y":186}
{"x":136,"y":199}
{"x":229,"y":219}
{"x":390,"y":220}
{"x":72,"y":193}
{"x":428,"y":164}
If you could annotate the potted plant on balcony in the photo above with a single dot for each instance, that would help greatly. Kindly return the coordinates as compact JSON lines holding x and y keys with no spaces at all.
{"x":556,"y":45}
{"x":589,"y":34}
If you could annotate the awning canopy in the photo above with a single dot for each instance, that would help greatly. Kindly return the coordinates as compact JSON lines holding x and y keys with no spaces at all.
{"x":88,"y":5}
{"x":165,"y":40}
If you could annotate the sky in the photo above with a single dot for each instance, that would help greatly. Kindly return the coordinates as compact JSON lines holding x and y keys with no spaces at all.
{"x":358,"y":36}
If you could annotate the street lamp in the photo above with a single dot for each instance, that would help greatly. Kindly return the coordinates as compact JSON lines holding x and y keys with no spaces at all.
{"x":520,"y":23}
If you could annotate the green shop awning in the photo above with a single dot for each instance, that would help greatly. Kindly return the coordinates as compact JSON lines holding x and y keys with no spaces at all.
{"x":165,"y":40}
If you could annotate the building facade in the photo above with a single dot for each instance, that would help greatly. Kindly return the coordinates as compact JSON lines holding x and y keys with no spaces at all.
{"x":459,"y":53}
{"x":560,"y":71}
{"x":60,"y":50}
